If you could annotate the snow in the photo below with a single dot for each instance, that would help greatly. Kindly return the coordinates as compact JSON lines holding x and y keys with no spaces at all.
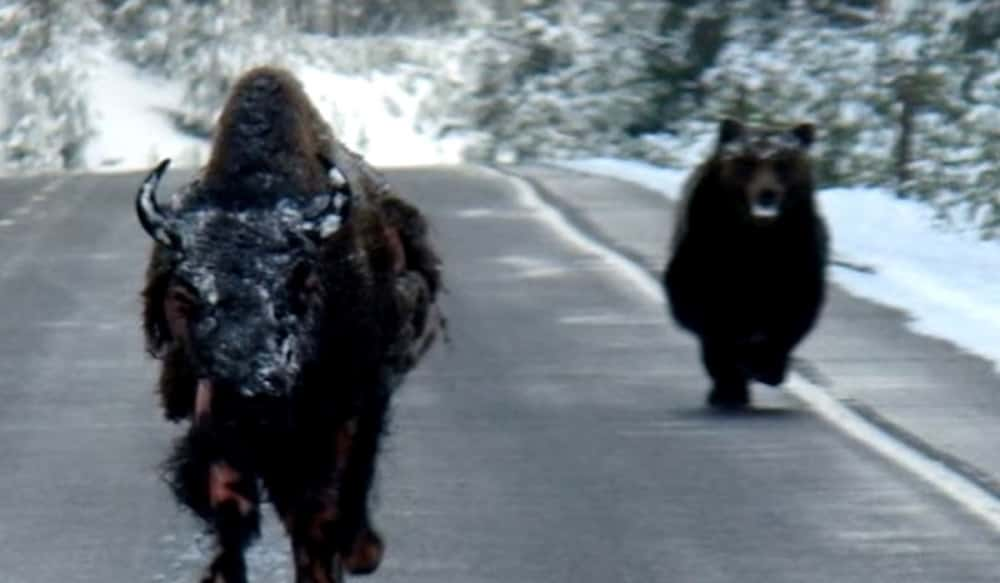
{"x":129,"y":115}
{"x":666,"y":181}
{"x":944,"y":277}
{"x":688,"y":149}
{"x":375,"y":115}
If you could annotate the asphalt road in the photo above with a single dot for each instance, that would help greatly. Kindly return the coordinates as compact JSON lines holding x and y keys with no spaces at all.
{"x":926,"y":391}
{"x":560,"y":437}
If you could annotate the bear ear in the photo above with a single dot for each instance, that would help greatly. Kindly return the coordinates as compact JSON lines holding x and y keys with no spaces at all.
{"x":730,"y":130}
{"x":805,"y":133}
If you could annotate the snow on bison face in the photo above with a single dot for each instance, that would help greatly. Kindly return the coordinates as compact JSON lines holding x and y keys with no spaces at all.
{"x":245,"y":295}
{"x":769,"y":168}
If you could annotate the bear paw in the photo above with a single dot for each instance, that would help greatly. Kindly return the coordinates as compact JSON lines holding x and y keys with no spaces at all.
{"x":769,"y":369}
{"x":729,"y":398}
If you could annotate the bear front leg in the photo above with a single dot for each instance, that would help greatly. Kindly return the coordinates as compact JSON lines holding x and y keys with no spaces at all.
{"x":790,"y":322}
{"x":769,"y":361}
{"x":729,"y":380}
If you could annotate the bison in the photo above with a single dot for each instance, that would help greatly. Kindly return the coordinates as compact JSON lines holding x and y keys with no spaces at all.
{"x":288,"y":292}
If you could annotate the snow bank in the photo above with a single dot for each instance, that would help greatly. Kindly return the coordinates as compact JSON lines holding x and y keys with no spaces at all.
{"x":945,"y":278}
{"x":666,"y":181}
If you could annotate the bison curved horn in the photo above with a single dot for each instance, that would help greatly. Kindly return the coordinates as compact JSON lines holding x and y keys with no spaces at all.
{"x":153,"y":220}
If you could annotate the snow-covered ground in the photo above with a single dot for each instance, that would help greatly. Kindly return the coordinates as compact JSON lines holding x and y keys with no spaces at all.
{"x":375,"y":115}
{"x":944,"y":277}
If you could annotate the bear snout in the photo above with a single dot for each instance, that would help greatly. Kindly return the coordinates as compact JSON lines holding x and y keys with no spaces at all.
{"x":765,"y":204}
{"x":768,"y":198}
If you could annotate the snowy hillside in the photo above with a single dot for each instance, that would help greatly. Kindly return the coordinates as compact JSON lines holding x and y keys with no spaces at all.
{"x":129,"y":125}
{"x":906,"y":95}
{"x":132,"y":127}
{"x":89,"y":87}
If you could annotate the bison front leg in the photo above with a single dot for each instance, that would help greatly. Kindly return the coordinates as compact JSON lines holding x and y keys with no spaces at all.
{"x":212,"y":478}
{"x":310,"y":517}
{"x":235,"y":520}
{"x":359,"y":544}
{"x":303,"y":491}
{"x":314,"y":547}
{"x":326,"y":542}
{"x":327,"y":518}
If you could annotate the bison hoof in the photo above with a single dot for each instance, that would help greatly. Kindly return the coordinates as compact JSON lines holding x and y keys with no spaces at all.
{"x":226,"y":570}
{"x":366,"y":554}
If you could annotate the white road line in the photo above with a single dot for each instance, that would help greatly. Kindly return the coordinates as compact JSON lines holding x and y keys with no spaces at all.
{"x":640,"y":279}
{"x":971,"y":496}
{"x":54,"y":186}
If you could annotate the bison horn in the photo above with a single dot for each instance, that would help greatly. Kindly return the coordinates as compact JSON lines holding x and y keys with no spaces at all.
{"x":153,"y":220}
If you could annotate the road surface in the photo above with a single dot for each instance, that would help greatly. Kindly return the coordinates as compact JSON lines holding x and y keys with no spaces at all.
{"x":560,"y":438}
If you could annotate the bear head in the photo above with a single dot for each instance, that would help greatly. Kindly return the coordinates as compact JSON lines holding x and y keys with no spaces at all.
{"x":767,"y":169}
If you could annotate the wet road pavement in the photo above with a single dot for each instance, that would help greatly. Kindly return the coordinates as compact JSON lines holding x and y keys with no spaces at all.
{"x":927,"y":391}
{"x":560,"y":437}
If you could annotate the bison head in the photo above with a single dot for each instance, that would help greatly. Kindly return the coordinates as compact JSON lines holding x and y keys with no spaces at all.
{"x":245,"y":293}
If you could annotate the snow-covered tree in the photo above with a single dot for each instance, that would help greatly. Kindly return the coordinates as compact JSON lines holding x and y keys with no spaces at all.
{"x":44,"y":120}
{"x":905,"y":93}
{"x":556,"y":78}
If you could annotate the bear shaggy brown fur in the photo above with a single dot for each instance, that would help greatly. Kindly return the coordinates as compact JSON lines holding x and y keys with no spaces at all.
{"x":749,"y":254}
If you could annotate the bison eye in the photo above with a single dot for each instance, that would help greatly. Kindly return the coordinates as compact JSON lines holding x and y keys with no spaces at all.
{"x":180,"y":306}
{"x":182,"y":298}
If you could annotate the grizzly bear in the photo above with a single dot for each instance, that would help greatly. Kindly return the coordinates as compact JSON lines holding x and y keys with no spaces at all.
{"x":749,"y":252}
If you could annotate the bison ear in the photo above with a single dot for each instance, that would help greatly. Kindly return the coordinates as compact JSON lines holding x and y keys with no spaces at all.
{"x":804,"y":133}
{"x":730,"y":130}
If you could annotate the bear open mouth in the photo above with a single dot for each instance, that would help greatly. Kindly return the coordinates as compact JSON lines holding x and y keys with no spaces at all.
{"x":764,"y":210}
